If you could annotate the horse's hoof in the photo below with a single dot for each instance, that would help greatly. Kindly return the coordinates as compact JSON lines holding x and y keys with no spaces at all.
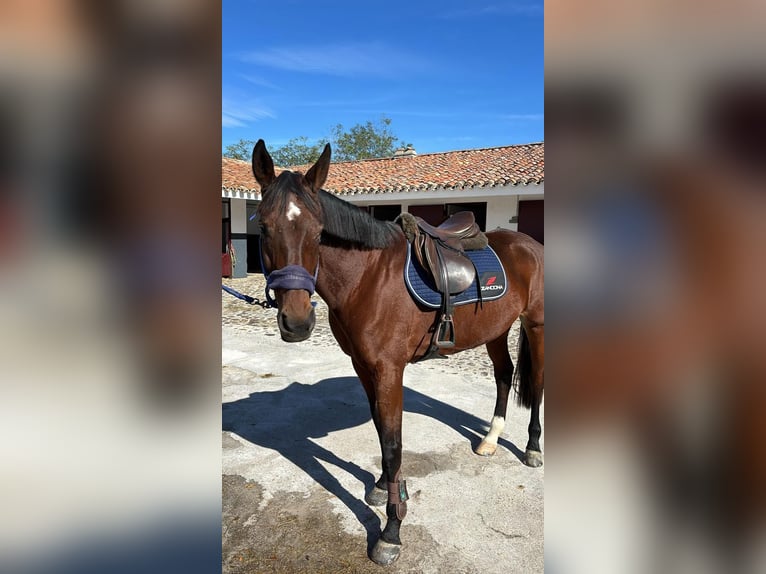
{"x":385,"y":553}
{"x":486,"y":449}
{"x":533,"y":458}
{"x":376,"y":497}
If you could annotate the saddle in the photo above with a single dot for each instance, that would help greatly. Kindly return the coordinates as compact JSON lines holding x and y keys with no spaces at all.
{"x":440,"y":251}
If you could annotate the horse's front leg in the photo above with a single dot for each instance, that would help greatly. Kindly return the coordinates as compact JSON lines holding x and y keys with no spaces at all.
{"x":378,"y":495}
{"x":388,"y":406}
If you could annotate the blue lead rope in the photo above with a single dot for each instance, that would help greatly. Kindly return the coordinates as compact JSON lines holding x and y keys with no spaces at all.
{"x":290,"y":277}
{"x":246,"y":298}
{"x":238,"y":295}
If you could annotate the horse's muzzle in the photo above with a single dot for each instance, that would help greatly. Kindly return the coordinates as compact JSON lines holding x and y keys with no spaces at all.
{"x":296,"y":330}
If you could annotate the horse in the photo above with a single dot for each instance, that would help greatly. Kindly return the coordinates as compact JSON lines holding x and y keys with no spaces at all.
{"x":312,"y":240}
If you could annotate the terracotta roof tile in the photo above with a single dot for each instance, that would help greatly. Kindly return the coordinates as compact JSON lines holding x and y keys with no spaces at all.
{"x":488,"y":167}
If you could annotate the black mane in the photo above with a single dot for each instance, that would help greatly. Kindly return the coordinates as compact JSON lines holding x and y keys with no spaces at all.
{"x":345,"y":225}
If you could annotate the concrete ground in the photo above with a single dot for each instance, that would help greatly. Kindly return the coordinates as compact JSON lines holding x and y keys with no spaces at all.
{"x":300,"y":451}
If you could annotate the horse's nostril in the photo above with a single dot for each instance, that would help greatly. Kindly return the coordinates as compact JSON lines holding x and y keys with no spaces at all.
{"x":292,"y":324}
{"x":285,"y":321}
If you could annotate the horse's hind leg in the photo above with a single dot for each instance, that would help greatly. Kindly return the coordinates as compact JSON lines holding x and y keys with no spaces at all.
{"x":501,"y":360}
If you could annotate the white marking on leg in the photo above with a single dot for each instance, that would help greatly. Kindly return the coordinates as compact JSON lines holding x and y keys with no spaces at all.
{"x":497,"y":426}
{"x":293,"y":211}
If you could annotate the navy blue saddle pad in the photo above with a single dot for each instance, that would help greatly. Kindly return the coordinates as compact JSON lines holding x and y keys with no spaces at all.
{"x":491,"y":276}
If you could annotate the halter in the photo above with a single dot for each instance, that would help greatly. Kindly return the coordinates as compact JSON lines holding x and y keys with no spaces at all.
{"x":288,"y":278}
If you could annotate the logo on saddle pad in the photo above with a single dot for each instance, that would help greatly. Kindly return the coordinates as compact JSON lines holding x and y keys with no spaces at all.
{"x":491,"y":281}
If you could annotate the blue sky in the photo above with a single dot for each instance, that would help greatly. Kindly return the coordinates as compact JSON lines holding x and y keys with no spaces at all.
{"x":450,"y":74}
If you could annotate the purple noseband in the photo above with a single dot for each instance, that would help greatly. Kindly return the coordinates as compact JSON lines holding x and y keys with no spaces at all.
{"x":290,"y":277}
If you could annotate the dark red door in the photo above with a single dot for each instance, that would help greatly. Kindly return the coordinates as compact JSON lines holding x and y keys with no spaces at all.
{"x":532,"y":219}
{"x":433,"y":214}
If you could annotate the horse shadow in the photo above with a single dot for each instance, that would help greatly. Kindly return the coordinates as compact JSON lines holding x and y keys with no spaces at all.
{"x":288,"y":419}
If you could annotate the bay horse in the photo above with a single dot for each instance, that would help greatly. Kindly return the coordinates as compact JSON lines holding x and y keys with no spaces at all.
{"x":312,"y":240}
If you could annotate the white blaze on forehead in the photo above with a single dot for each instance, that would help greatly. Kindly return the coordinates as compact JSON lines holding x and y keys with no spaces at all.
{"x":293,"y":211}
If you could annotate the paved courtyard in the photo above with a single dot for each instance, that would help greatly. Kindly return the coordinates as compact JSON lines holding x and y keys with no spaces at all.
{"x":300,"y":451}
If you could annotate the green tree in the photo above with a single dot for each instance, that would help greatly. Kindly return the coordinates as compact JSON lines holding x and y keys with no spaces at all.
{"x":361,"y":141}
{"x":243,"y":150}
{"x":297,"y":151}
{"x":364,"y":141}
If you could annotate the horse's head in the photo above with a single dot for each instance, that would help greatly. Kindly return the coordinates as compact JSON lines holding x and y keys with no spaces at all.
{"x":291,"y":225}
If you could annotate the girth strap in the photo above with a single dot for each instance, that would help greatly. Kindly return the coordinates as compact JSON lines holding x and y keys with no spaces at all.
{"x":445,"y":332}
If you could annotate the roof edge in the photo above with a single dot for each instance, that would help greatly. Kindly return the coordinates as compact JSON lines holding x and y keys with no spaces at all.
{"x":371,"y":159}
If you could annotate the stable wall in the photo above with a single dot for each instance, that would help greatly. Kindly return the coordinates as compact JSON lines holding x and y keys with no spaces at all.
{"x":502,"y":202}
{"x":238,"y":216}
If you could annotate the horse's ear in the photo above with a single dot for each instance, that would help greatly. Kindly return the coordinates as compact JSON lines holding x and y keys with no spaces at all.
{"x":317,"y":175}
{"x":263,"y":166}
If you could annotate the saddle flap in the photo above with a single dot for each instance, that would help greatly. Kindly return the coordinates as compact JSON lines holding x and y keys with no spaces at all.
{"x":450,"y":265}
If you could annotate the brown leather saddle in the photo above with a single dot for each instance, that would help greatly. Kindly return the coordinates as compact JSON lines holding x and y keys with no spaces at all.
{"x":440,"y":251}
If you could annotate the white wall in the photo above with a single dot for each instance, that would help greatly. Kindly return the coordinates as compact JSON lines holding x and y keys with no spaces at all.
{"x":500,"y":210}
{"x":238,"y":216}
{"x":239,"y":226}
{"x":502,"y":202}
{"x":446,"y":195}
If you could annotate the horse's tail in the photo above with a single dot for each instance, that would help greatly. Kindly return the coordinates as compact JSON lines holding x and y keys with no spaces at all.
{"x":523,"y":382}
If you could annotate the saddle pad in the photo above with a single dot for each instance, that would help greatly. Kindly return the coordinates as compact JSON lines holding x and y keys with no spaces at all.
{"x":491,"y":276}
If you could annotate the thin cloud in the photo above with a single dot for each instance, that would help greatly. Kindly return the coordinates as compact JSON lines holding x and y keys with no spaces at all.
{"x":228,"y":121}
{"x":360,"y":59}
{"x":240,"y":115}
{"x":258,"y":81}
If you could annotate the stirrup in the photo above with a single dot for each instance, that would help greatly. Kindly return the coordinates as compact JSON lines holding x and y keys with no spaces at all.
{"x":445,"y":332}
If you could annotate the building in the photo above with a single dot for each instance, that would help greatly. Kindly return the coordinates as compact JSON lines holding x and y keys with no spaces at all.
{"x":503,"y":186}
